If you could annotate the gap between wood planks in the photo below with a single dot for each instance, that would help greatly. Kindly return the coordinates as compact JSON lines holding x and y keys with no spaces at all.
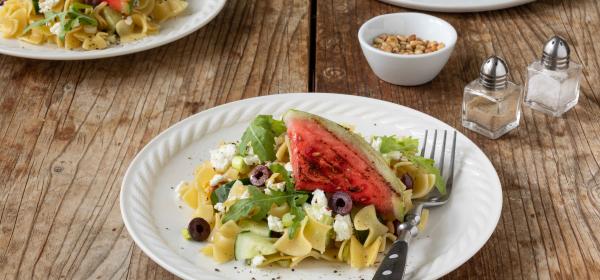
{"x":312,"y":46}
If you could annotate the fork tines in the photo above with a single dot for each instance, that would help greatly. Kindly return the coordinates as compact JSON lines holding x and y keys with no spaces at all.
{"x":442,"y":156}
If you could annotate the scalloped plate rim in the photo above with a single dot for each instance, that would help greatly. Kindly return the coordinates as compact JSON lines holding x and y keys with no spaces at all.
{"x":494,"y":219}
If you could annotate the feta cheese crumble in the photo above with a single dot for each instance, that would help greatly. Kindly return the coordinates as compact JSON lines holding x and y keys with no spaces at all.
{"x":317,"y":208}
{"x":221,"y":157}
{"x":319,"y":198}
{"x":275,"y":186}
{"x":220,"y":207}
{"x":215,"y":180}
{"x":288,"y":167}
{"x":128,"y":20}
{"x":275,"y":223}
{"x":47,"y":5}
{"x":56,"y":29}
{"x":258,"y":260}
{"x":342,"y":226}
{"x":251,"y":160}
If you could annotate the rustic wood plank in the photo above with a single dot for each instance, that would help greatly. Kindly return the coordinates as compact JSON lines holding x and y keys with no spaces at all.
{"x":548,"y":167}
{"x":69,"y":130}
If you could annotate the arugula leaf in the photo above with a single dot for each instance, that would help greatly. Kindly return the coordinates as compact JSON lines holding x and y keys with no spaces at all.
{"x":257,"y":206}
{"x":75,"y":16}
{"x":278,"y":126}
{"x":296,"y":202}
{"x":289,"y":181}
{"x":48,"y":17}
{"x":260,"y":135}
{"x":221,"y":193}
{"x":406,"y":145}
{"x":79,"y":6}
{"x":409,"y":146}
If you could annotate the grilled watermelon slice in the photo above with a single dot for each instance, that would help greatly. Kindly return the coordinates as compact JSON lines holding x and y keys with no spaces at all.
{"x":327,"y":156}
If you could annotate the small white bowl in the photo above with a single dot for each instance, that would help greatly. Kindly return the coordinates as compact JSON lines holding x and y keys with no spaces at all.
{"x":403,"y":69}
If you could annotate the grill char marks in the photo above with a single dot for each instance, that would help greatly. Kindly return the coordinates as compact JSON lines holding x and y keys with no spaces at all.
{"x":322,"y":160}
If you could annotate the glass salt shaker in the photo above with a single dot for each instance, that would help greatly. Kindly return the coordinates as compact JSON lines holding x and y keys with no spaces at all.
{"x":553,"y":81}
{"x":491,"y":103}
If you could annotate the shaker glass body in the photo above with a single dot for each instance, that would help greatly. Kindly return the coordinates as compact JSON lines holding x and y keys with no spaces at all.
{"x":491,"y":112}
{"x":552,"y":91}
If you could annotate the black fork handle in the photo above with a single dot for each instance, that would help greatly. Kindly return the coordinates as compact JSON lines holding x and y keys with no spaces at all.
{"x":393,"y":265}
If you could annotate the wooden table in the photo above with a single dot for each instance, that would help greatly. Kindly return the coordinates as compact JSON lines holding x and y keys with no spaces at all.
{"x":68,"y":130}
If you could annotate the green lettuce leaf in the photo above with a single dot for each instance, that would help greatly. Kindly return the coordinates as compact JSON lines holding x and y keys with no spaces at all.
{"x":260,"y":135}
{"x":429,"y":166}
{"x":405,"y":145}
{"x":409,"y":147}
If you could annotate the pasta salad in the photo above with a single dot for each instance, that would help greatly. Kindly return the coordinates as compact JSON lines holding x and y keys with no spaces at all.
{"x":85,"y":24}
{"x":272,"y":197}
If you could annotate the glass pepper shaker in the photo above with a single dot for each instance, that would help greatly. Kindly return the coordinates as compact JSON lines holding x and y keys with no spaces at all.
{"x":553,"y":81}
{"x":492,"y":104}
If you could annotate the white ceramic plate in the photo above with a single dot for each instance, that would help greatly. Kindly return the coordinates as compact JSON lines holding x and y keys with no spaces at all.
{"x":198,"y":14}
{"x":457,"y":6}
{"x":153,"y":218}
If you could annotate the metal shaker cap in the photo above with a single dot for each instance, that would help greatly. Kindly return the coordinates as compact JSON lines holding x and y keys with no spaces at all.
{"x":556,"y":54}
{"x":493,"y":73}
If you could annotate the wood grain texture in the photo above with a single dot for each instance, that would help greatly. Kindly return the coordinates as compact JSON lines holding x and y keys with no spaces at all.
{"x":549,"y":167}
{"x":68,"y":131}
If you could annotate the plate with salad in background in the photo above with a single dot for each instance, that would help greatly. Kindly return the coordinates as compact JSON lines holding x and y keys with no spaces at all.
{"x":90,"y":29}
{"x":303,"y":186}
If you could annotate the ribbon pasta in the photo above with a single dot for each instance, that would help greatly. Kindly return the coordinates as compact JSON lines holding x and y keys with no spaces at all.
{"x":139,"y":27}
{"x":14,"y":17}
{"x":366,"y":219}
{"x":166,"y":9}
{"x":298,"y":246}
{"x":317,"y":234}
{"x":223,"y":241}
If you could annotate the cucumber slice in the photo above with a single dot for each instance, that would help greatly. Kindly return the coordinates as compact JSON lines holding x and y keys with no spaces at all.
{"x":259,"y":228}
{"x":249,"y":245}
{"x":112,"y":17}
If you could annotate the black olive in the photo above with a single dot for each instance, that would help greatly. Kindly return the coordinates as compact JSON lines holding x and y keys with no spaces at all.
{"x":407,"y":180}
{"x":199,"y":229}
{"x":340,"y":203}
{"x":259,"y":175}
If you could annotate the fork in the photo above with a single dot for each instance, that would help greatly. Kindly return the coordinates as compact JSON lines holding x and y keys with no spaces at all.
{"x":394,"y":263}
